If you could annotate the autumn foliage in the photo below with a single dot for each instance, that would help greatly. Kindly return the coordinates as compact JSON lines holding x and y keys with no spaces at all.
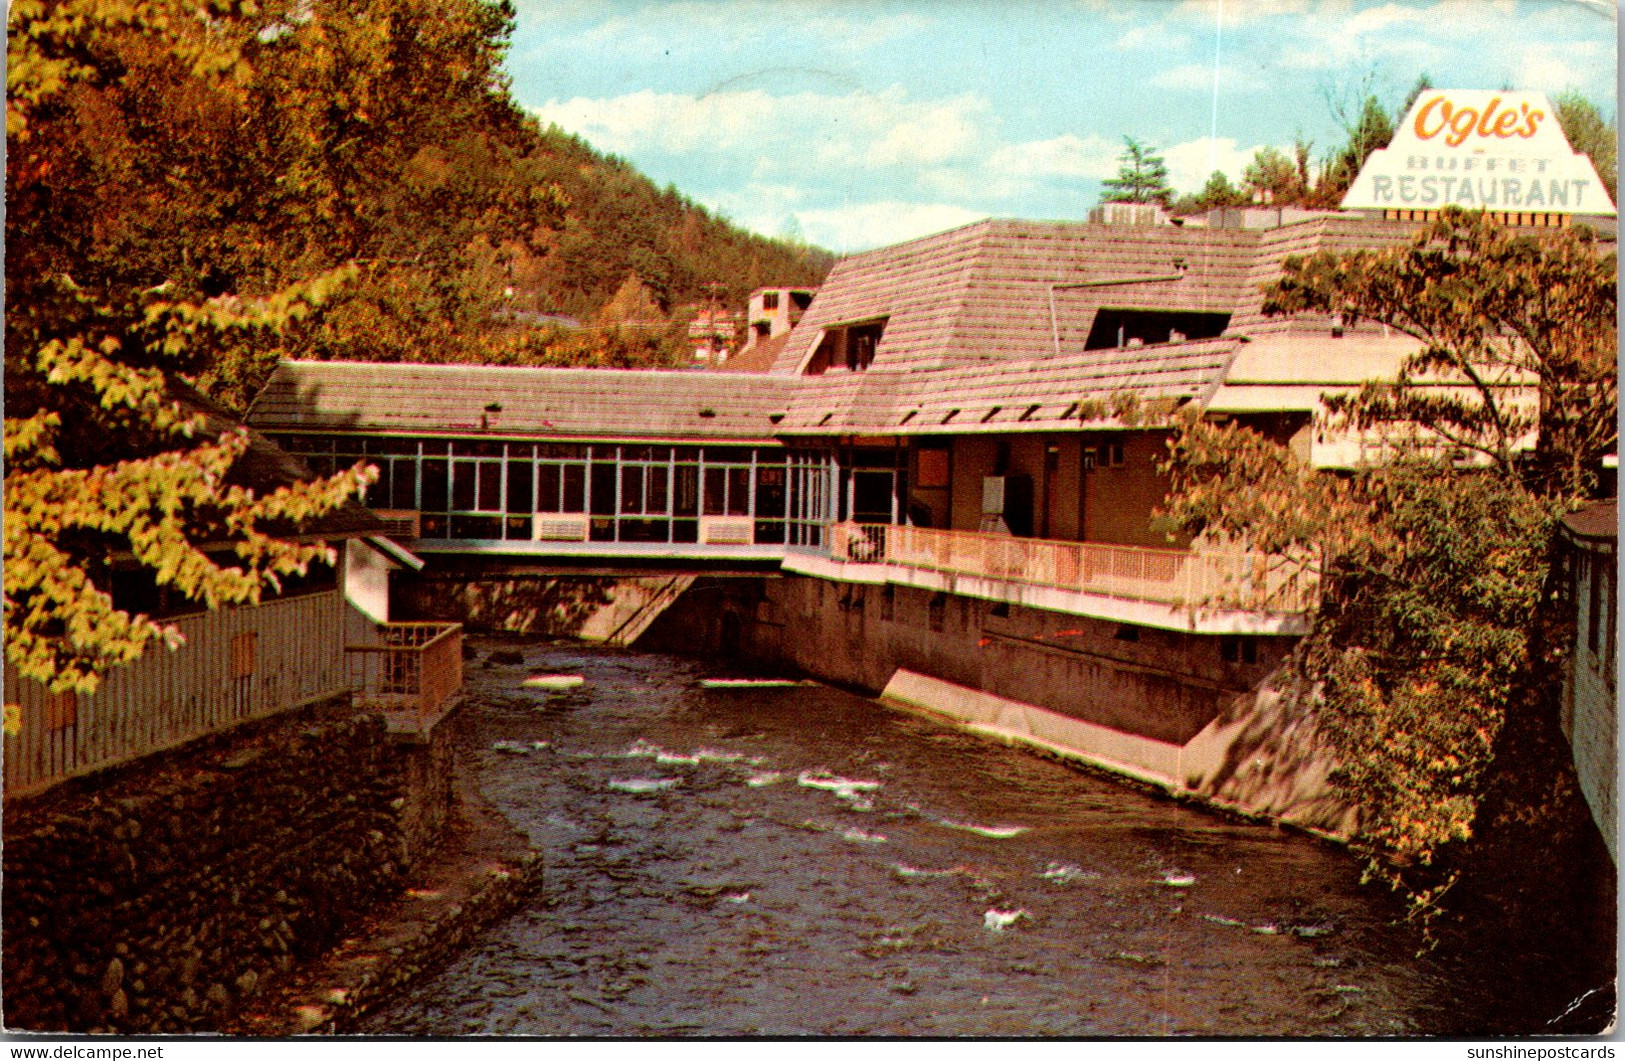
{"x":1440,"y":628}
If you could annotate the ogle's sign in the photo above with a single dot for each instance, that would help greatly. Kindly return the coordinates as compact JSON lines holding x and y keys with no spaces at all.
{"x":1501,"y":151}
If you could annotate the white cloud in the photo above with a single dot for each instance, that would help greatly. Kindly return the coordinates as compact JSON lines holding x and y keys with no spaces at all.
{"x":1239,"y":12}
{"x":863,"y":226}
{"x":879,"y":129}
{"x":1198,"y":77}
{"x":1545,"y":68}
{"x":1192,"y":162}
{"x":1157,"y":36}
{"x":1067,"y":155}
{"x":1373,"y":19}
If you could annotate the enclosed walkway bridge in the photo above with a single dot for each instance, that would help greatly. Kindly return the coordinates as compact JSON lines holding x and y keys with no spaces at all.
{"x":677,"y":474}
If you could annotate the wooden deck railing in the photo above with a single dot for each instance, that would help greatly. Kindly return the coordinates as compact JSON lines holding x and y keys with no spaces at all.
{"x":410,"y":673}
{"x":236,"y":664}
{"x":1241,"y":580}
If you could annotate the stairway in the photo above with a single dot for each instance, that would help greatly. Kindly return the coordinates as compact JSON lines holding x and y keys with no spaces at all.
{"x":634,"y":604}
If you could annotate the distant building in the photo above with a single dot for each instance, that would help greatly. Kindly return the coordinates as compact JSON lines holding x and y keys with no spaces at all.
{"x":713,"y":332}
{"x":773,"y":311}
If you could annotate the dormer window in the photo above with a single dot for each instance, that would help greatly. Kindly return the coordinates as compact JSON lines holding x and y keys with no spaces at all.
{"x":847,"y":346}
{"x":1123,"y":328}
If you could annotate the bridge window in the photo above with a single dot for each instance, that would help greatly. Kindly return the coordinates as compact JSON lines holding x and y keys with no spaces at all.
{"x":490,"y":489}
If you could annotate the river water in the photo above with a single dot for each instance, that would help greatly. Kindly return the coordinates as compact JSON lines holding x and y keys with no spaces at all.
{"x":803,"y":861}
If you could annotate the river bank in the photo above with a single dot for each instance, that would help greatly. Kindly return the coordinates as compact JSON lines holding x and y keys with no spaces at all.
{"x":480,"y":870}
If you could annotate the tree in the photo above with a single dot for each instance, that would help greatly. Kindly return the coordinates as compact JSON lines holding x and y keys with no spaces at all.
{"x":1142,"y":177}
{"x":1435,"y":646}
{"x":1371,"y":130}
{"x":1495,"y":312}
{"x":1591,"y":135}
{"x":1217,"y":193}
{"x":106,"y":456}
{"x":1274,"y":178}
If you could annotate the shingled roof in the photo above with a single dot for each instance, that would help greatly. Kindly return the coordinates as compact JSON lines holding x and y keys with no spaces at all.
{"x":1040,"y":394}
{"x":519,"y":402}
{"x":264,"y":467}
{"x":983,"y":292}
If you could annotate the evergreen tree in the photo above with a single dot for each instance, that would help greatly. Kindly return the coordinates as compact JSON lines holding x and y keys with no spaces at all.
{"x":1142,"y":177}
{"x":1370,"y":131}
{"x":1591,"y":135}
{"x":1216,"y":193}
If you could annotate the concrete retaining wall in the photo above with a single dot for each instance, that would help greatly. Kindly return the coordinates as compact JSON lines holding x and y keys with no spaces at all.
{"x":1209,"y":717}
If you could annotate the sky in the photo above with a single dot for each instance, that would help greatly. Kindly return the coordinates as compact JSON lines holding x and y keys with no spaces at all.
{"x":853,"y":124}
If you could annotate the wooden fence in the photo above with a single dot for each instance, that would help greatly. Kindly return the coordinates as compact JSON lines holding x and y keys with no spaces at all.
{"x":236,"y":664}
{"x":1168,"y":576}
{"x":410,"y":671}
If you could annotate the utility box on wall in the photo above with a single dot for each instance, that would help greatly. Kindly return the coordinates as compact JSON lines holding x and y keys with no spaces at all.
{"x":1007,"y":505}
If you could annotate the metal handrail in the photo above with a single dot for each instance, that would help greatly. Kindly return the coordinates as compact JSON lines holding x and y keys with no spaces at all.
{"x":1188,"y":578}
{"x":413,"y":671}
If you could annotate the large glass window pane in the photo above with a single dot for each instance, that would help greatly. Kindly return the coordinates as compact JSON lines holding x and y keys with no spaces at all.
{"x":547,"y":489}
{"x":738,"y":491}
{"x":872,"y":497}
{"x":716,"y":491}
{"x":655,"y":487}
{"x":462,"y":485}
{"x":602,"y":499}
{"x":403,"y":484}
{"x":643,"y":530}
{"x":632,"y":489}
{"x":575,"y":488}
{"x":686,"y":495}
{"x":491,"y":486}
{"x":769,"y":493}
{"x":519,"y":492}
{"x":486,"y":527}
{"x":434,"y":485}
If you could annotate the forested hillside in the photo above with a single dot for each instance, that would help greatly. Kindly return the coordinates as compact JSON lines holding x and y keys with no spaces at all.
{"x":222,"y":151}
{"x":618,"y":224}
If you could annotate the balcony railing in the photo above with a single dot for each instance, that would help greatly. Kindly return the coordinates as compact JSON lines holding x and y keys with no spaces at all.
{"x":1195,"y":579}
{"x":411,"y":674}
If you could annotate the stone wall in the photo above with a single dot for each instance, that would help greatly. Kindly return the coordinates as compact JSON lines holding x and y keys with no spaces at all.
{"x":160,"y":897}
